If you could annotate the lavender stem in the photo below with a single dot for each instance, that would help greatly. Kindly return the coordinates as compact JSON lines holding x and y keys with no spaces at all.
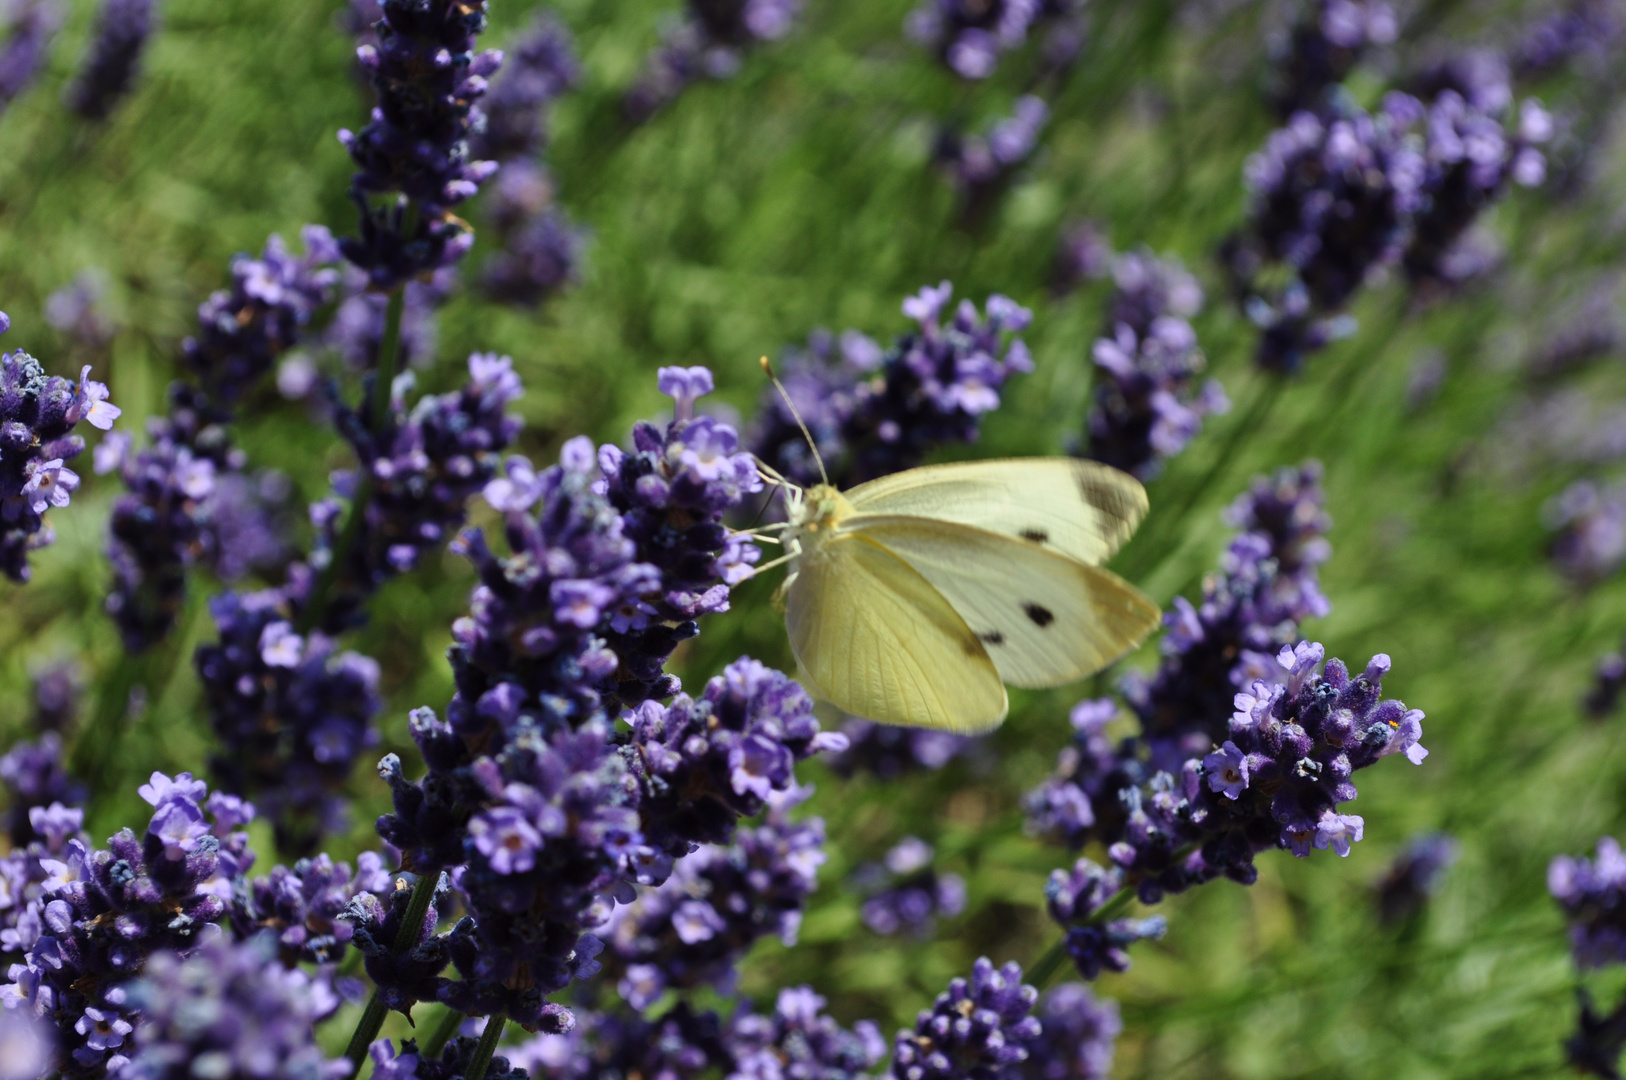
{"x":486,"y":1047}
{"x":372,"y":1018}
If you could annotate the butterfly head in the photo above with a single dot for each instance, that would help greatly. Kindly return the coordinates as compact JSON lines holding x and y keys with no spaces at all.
{"x":820,"y":509}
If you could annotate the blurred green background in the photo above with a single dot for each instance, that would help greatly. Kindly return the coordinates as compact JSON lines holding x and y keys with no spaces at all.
{"x":800,"y":194}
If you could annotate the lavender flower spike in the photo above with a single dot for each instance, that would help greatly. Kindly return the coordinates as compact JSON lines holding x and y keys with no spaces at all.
{"x":122,"y":29}
{"x":1593,"y":896}
{"x":978,"y":1028}
{"x":32,"y":25}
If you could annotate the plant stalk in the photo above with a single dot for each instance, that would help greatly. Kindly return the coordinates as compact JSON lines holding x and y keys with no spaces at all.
{"x":372,"y":1018}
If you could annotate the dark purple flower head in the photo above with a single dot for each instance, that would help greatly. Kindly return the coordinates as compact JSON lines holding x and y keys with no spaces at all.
{"x":292,"y":713}
{"x":1589,"y":523}
{"x":31,"y":24}
{"x":969,"y":36}
{"x":708,"y":42}
{"x":302,"y":905}
{"x":1593,"y":896}
{"x":37,"y":417}
{"x":682,"y":1045}
{"x":35,"y":778}
{"x":1080,"y":1031}
{"x":541,"y":255}
{"x":1417,"y":874}
{"x":1074,"y":898}
{"x":978,"y":1029}
{"x":1608,"y":681}
{"x":122,"y":29}
{"x":888,"y":752}
{"x":1595,"y":1048}
{"x":903,"y":893}
{"x":797,"y":1042}
{"x":229,"y":1011}
{"x":883,"y":411}
{"x":1082,"y":795}
{"x":1324,"y":47}
{"x":539,"y":67}
{"x":980,"y":165}
{"x":718,"y":901}
{"x":376,"y":919}
{"x":704,"y":763}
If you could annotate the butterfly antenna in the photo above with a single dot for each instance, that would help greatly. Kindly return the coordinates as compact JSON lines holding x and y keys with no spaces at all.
{"x":818,"y":460}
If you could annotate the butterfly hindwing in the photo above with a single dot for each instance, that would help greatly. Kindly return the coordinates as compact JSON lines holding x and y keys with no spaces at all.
{"x":876,"y":640}
{"x":1043,"y":618}
{"x":1082,"y":509}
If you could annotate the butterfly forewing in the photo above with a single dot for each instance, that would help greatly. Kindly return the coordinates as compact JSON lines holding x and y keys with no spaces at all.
{"x":876,"y":640}
{"x":1044,"y":619}
{"x":1082,"y":509}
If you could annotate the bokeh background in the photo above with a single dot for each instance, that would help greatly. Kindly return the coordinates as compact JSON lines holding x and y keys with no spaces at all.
{"x":800,"y":194}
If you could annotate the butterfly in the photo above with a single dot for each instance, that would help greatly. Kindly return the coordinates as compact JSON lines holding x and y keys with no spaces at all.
{"x":914,"y":598}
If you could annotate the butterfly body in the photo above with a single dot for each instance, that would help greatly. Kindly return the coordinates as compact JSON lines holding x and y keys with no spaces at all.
{"x":914,"y":598}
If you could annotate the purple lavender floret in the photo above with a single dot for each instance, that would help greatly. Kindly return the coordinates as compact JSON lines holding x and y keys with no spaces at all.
{"x":1277,"y":780}
{"x":415,"y":149}
{"x":1095,"y":946}
{"x":1081,"y":799}
{"x":539,"y":258}
{"x":673,"y":490}
{"x":1268,"y":583}
{"x":404,"y":978}
{"x":292,"y":714}
{"x":302,"y":905}
{"x":1324,"y":47}
{"x":421,"y":472}
{"x":232,"y":1010}
{"x":1416,"y":875}
{"x":356,"y":331}
{"x":889,"y":752}
{"x":885,"y":410}
{"x":1148,"y":405}
{"x":545,"y":854}
{"x":31,"y":24}
{"x":98,"y":915}
{"x":37,"y":418}
{"x":539,"y":67}
{"x":905,"y":894}
{"x":969,"y":36}
{"x":1582,"y":28}
{"x":1593,"y":896}
{"x":703,"y":763}
{"x":978,"y":1029}
{"x":1589,"y":523}
{"x":980,"y":165}
{"x":122,"y":29}
{"x":797,"y":1042}
{"x":35,"y":776}
{"x":707,"y":42}
{"x":696,"y":927}
{"x":454,"y":1062}
{"x":1080,"y":1031}
{"x":682,"y":1045}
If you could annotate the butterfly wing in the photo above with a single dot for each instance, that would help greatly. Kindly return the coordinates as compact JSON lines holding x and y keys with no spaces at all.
{"x":1083,"y":509}
{"x":873,"y":638}
{"x":1044,"y":619}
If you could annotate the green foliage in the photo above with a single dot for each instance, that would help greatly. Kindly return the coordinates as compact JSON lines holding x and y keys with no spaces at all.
{"x":799,"y":194}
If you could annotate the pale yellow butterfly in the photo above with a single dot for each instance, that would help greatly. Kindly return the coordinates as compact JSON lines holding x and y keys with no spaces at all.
{"x":913,"y":599}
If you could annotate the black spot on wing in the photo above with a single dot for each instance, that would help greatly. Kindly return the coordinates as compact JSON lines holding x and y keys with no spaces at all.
{"x":1041,"y":615}
{"x":992,"y":637}
{"x":1038,"y":536}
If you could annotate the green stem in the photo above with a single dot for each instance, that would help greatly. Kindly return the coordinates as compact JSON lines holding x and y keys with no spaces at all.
{"x":372,"y":1018}
{"x":377,"y":410}
{"x":442,"y":1034}
{"x":476,"y":1069}
{"x":1050,"y":963}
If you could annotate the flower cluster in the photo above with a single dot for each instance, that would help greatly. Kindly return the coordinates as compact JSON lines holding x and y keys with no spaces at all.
{"x":95,"y":917}
{"x":1593,"y":896}
{"x":228,"y":1010}
{"x":1323,"y":48}
{"x":1267,"y":585}
{"x":970,"y":35}
{"x":978,"y":1027}
{"x":980,"y":165}
{"x":428,"y":78}
{"x":879,"y":412}
{"x":1094,"y":942}
{"x":1081,"y":798}
{"x":718,"y":902}
{"x":301,"y":906}
{"x":888,"y":752}
{"x":416,"y":478}
{"x":1080,"y":1031}
{"x":185,"y":489}
{"x":31,"y":24}
{"x":1417,"y":874}
{"x":37,"y":416}
{"x":35,"y":778}
{"x":672,"y":490}
{"x":1147,"y":404}
{"x":290,"y":711}
{"x":122,"y":29}
{"x":798,"y":1042}
{"x":541,"y":250}
{"x":682,"y":1044}
{"x":904,"y":894}
{"x":1589,"y":527}
{"x":703,"y":763}
{"x":707,"y":42}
